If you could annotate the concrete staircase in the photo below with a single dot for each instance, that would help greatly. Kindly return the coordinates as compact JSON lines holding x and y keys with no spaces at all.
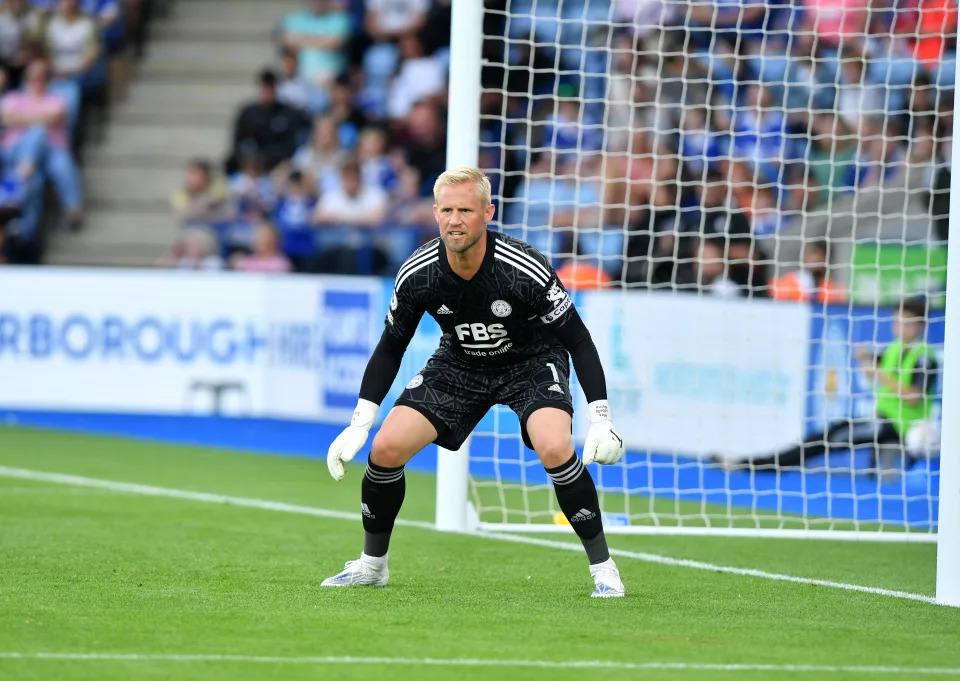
{"x":201,"y":64}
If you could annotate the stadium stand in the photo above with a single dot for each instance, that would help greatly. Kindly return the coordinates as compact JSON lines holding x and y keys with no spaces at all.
{"x":790,"y":133}
{"x":64,"y":64}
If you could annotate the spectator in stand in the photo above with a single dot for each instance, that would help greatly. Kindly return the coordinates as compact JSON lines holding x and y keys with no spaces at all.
{"x":386,"y":22}
{"x":109,"y":18}
{"x":266,"y":257}
{"x":831,"y":159}
{"x":319,"y":35}
{"x":759,"y":136}
{"x":36,"y":138}
{"x":322,"y":159}
{"x":859,"y":96}
{"x":904,"y":378}
{"x":194,"y":249}
{"x":712,"y":272}
{"x":712,"y":216}
{"x":423,"y":136}
{"x":292,"y":89}
{"x":267,"y":127}
{"x":420,"y":77}
{"x":353,"y":202}
{"x":19,"y":26}
{"x":571,"y":130}
{"x":251,"y":189}
{"x":346,"y":217}
{"x":294,"y":219}
{"x":836,"y":23}
{"x":409,"y":208}
{"x":72,"y":41}
{"x":378,"y":168}
{"x":201,"y":201}
{"x":813,"y":281}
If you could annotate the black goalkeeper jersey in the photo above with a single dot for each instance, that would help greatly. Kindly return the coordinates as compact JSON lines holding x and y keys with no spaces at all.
{"x":509,"y":311}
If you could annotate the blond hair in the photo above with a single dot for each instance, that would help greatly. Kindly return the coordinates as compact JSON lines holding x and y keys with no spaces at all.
{"x":463,"y":175}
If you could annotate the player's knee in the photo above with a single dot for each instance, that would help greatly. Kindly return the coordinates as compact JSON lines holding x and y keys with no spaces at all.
{"x":554,"y":449}
{"x":390,"y":449}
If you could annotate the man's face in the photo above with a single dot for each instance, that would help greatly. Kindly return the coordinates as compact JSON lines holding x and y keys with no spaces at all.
{"x":462,"y":216}
{"x":268,"y":94}
{"x":906,"y":326}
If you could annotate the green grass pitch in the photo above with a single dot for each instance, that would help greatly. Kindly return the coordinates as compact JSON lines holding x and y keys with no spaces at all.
{"x":86,"y":571}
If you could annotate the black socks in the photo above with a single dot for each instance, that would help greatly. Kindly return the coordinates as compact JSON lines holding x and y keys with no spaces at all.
{"x":577,"y":496}
{"x":381,"y":496}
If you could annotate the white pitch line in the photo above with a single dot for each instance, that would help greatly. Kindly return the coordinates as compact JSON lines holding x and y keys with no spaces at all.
{"x":263,"y":504}
{"x":467,"y":662}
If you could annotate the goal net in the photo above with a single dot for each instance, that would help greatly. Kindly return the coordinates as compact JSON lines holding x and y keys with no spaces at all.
{"x":749,"y":202}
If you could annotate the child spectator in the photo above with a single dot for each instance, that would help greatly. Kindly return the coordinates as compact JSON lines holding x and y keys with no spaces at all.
{"x":265,"y":257}
{"x":252,"y":189}
{"x":195,"y":249}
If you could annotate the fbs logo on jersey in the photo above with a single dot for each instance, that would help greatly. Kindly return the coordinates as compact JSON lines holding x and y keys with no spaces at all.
{"x":415,"y":382}
{"x":561,"y":303}
{"x":484,"y":339}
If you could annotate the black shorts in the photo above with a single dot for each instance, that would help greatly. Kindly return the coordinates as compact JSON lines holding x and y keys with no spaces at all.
{"x":454,"y":398}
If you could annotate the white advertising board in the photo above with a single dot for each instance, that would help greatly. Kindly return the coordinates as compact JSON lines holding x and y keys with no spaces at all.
{"x":169,"y":342}
{"x":698,"y":375}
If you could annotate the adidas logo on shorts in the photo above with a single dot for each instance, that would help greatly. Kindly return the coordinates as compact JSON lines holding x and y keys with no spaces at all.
{"x":582,"y":514}
{"x":555,"y":388}
{"x":366,"y":511}
{"x":444,"y":310}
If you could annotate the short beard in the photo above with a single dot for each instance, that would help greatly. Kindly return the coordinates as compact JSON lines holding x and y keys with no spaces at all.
{"x":466,"y":247}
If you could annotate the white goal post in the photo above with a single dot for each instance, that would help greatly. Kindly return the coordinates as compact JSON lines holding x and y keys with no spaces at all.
{"x":493,"y":483}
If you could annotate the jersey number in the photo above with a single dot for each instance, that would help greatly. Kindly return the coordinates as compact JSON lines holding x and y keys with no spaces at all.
{"x":553,"y":370}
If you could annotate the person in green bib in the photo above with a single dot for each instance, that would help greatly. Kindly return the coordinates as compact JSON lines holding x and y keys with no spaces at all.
{"x":904,"y":379}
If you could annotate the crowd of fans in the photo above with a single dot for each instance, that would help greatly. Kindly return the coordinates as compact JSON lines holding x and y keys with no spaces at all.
{"x":650,"y":143}
{"x":56,"y":61}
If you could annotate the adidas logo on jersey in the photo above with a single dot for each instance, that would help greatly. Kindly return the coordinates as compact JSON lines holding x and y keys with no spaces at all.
{"x":366,"y":511}
{"x":444,"y":310}
{"x":581,"y":515}
{"x":555,"y":388}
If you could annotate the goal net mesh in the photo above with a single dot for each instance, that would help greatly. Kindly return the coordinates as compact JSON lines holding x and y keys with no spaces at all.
{"x":749,"y":202}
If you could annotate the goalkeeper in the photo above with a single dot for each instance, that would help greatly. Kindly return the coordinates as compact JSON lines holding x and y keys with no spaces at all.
{"x":904,"y":377}
{"x":509,"y":330}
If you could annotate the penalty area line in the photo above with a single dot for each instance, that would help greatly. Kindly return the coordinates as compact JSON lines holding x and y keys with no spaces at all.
{"x":467,"y":662}
{"x":281,"y":507}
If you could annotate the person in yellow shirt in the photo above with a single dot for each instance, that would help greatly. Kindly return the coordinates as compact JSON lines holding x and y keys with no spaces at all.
{"x":904,"y":378}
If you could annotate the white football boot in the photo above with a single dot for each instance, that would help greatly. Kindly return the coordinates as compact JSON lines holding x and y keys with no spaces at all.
{"x":365,"y":571}
{"x":606,"y":578}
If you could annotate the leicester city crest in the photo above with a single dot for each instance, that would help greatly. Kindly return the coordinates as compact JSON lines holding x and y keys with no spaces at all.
{"x":501,"y":308}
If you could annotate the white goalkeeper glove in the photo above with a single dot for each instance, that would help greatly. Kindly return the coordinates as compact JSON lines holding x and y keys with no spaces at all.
{"x":349,"y":442}
{"x":603,"y":445}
